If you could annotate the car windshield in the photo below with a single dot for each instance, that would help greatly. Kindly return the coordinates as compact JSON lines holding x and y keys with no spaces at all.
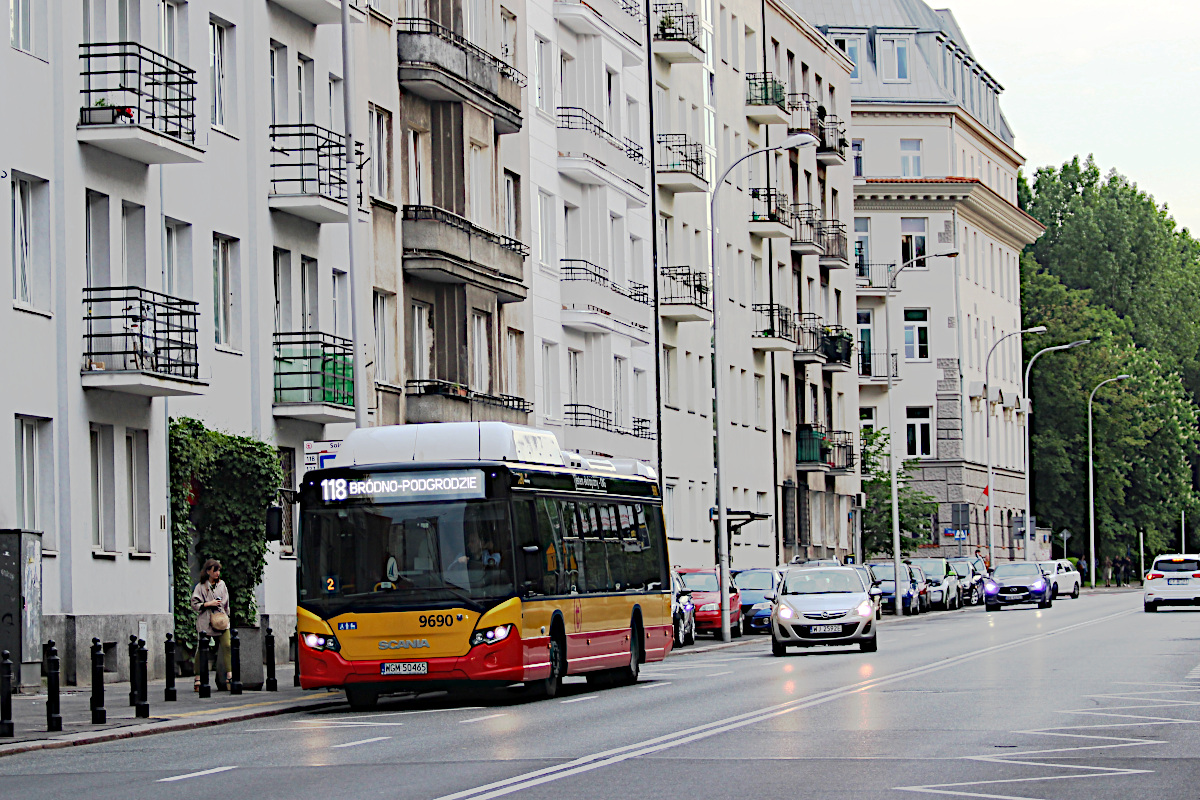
{"x":757,"y":581}
{"x":822,"y":581}
{"x":884,"y":572}
{"x":1018,"y":571}
{"x":700,"y":581}
{"x":1177,"y":565}
{"x":961,"y":568}
{"x":931,"y":567}
{"x":1048,"y":566}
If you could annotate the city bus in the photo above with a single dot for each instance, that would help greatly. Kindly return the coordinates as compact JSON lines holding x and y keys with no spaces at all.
{"x":443,"y":554}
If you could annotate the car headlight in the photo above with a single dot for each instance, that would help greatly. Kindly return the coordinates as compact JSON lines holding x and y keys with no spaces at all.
{"x":786,"y":613}
{"x":1038,"y":585}
{"x":491,"y":635}
{"x":711,"y":607}
{"x":760,"y":606}
{"x":322,"y":641}
{"x":991,"y":587}
{"x":865,"y":609}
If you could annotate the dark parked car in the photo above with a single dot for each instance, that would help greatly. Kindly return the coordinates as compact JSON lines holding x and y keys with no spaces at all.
{"x":1015,"y":583}
{"x":753,"y":585}
{"x":971,"y":572}
{"x":910,"y":600}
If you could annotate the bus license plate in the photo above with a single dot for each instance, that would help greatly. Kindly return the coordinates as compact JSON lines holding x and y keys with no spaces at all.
{"x":1178,"y":581}
{"x":826,"y":628}
{"x":404,"y":668}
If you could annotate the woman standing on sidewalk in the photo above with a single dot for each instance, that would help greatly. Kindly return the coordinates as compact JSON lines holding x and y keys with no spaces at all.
{"x":1108,"y":569}
{"x":210,"y":601}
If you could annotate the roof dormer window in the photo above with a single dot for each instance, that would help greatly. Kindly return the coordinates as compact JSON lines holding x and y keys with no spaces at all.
{"x":893,"y":59}
{"x":849,"y":46}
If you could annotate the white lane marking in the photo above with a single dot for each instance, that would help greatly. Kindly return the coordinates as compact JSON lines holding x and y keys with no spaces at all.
{"x":1195,"y":673}
{"x":212,"y":771}
{"x":361,"y":741}
{"x":719,"y":674}
{"x":480,"y":719}
{"x":655,"y":685}
{"x":322,"y":726}
{"x":617,"y":755}
{"x":580,"y":699}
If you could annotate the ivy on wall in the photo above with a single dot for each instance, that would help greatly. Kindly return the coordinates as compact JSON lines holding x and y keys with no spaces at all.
{"x":221,"y":486}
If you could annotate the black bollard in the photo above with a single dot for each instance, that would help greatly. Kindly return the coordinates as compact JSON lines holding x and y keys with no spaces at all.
{"x":53,"y":717}
{"x":133,"y":688}
{"x":272,"y":685}
{"x":235,"y":662}
{"x":99,"y":715}
{"x":202,"y":666}
{"x":169,"y":655}
{"x":6,"y":680}
{"x":295,"y":649}
{"x":143,"y":702}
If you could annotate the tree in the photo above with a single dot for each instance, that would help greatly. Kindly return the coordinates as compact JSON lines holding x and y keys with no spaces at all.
{"x":916,"y":506}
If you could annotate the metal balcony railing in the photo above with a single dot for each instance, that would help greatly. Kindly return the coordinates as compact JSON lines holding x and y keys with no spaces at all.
{"x":582,"y":415}
{"x":809,"y":333}
{"x":769,"y":205}
{"x":579,"y":119}
{"x":131,"y":329}
{"x":875,"y":276}
{"x":804,"y":113}
{"x":774,"y":321}
{"x":577,"y":269}
{"x":126,"y":83}
{"x":307,"y":159}
{"x":841,"y":454}
{"x":806,"y":224}
{"x":419,"y":213}
{"x":811,"y":447}
{"x":451,"y":389}
{"x":673,"y":23}
{"x":832,"y":136}
{"x":312,"y":367}
{"x":675,"y":152}
{"x":684,"y":286}
{"x":764,"y":89}
{"x":837,"y":345}
{"x":421,"y":25}
{"x":834,"y":241}
{"x":875,"y":365}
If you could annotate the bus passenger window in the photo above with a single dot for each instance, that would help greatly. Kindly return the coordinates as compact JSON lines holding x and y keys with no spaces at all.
{"x":572,"y":566}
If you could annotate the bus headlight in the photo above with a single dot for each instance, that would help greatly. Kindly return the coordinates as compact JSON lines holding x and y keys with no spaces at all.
{"x":491,"y":635}
{"x":322,"y":641}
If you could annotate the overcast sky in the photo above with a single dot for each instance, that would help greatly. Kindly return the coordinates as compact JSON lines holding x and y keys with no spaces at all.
{"x":1120,"y":80}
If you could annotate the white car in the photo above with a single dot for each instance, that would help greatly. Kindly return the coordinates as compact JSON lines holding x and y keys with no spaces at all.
{"x":1063,"y":577}
{"x":823,"y":606}
{"x":1173,"y":580}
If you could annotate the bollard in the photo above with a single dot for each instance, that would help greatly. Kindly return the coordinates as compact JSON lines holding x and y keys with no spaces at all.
{"x":295,"y":650}
{"x":99,"y":715}
{"x":235,"y":663}
{"x":169,"y":655}
{"x":143,"y":702}
{"x":133,"y":690}
{"x":202,"y":666}
{"x":272,"y":685}
{"x":53,"y":715}
{"x":6,"y":680}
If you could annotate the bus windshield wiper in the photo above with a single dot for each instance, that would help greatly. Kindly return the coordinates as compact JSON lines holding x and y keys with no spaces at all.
{"x":466,"y":599}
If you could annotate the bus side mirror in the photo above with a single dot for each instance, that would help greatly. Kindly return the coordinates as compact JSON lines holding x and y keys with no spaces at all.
{"x":274,"y":523}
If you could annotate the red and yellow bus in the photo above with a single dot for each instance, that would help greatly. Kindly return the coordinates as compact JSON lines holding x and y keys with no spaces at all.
{"x":432,"y":555}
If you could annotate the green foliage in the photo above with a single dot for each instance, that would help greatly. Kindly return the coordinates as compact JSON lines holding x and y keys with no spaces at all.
{"x":233,"y":479}
{"x":915,"y":505}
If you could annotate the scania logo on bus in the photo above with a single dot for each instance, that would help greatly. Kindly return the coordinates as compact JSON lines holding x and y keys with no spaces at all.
{"x":403,"y":644}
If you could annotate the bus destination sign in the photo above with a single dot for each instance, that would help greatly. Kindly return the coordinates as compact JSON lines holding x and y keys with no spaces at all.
{"x":399,"y":487}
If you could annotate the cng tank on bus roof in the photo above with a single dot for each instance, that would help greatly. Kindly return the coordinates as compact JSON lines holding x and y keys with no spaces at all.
{"x":449,"y":441}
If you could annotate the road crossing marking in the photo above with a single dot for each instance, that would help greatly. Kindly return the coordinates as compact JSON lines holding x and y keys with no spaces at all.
{"x":212,"y":771}
{"x":361,"y":741}
{"x":1195,"y":673}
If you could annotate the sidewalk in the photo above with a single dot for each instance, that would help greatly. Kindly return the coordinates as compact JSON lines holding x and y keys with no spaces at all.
{"x":189,"y":711}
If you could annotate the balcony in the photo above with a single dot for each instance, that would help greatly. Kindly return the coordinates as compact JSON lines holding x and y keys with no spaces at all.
{"x":679,"y":164}
{"x":684,"y":295}
{"x":138,"y":104}
{"x":620,"y":21}
{"x":837,"y":345}
{"x":842,"y":458}
{"x":589,"y":153}
{"x":831,"y":144}
{"x":314,"y":377}
{"x":594,"y":303}
{"x":438,"y":64}
{"x":442,"y":247}
{"x":835,"y":250}
{"x":444,"y":401}
{"x":770,"y":214}
{"x":809,"y":338}
{"x":324,"y":12}
{"x":806,"y":229}
{"x":308,"y":173}
{"x":766,"y":99}
{"x":812,"y":448}
{"x":581,"y":415}
{"x":774,"y":328}
{"x":873,"y":367}
{"x":140,"y":342}
{"x":676,"y":34}
{"x":872,"y":278}
{"x":803,"y":110}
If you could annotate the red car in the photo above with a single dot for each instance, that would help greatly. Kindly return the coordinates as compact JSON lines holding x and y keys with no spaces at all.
{"x":706,"y":594}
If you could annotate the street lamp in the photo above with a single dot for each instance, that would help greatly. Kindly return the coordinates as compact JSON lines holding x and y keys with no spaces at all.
{"x":1029,"y":529}
{"x":1092,"y":482}
{"x":887,"y":365}
{"x":987,"y":417}
{"x":795,"y":140}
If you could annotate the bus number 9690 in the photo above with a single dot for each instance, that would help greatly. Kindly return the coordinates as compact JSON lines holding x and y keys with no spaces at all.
{"x":435,"y":620}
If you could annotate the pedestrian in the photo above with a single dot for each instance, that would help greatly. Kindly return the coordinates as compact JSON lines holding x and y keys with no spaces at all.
{"x":1108,"y":570}
{"x":1125,"y":565}
{"x":210,"y":602}
{"x":1083,"y":570}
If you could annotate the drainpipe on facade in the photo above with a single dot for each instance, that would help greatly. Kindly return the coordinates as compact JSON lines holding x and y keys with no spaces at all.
{"x":360,"y":369}
{"x":654,"y":259}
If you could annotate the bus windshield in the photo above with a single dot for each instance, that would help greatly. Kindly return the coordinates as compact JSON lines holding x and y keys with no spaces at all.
{"x":395,"y":556}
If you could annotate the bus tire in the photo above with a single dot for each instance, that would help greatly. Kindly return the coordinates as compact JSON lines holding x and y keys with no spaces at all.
{"x":627,"y":676}
{"x":551,"y":685}
{"x":361,"y":698}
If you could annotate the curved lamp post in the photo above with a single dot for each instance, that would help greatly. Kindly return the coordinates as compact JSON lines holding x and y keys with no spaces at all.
{"x":1092,"y":482}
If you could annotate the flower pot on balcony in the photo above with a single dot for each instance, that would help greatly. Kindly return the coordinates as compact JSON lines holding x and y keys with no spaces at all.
{"x":105,"y":115}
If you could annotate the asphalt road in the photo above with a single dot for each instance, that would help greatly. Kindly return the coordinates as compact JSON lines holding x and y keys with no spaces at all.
{"x":1092,"y":698}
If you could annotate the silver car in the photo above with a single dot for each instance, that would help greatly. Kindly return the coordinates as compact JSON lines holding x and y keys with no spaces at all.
{"x":824,"y":606}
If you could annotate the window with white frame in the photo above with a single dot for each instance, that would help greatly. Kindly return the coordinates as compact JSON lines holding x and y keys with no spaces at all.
{"x":620,"y":400}
{"x":541,"y":74}
{"x":893,"y":55}
{"x":380,"y":134}
{"x":669,"y":511}
{"x":101,"y":480}
{"x":224,"y":286}
{"x":912,"y":241}
{"x":670,"y":376}
{"x":919,"y":431}
{"x":862,"y":239}
{"x":218,"y":35}
{"x":417,"y":171}
{"x":25,"y":21}
{"x":514,"y":349}
{"x":30,"y":471}
{"x":916,"y":334}
{"x":512,"y":204}
{"x":480,"y":186}
{"x":910,"y":158}
{"x":381,"y":312}
{"x":422,"y":341}
{"x":760,"y":401}
{"x":481,"y":351}
{"x":340,"y":302}
{"x":137,"y":489}
{"x":866,"y":418}
{"x":574,"y":376}
{"x":639,"y":393}
{"x":850,"y":46}
{"x":856,"y":153}
{"x":22,"y":239}
{"x":545,"y":229}
{"x":549,"y":393}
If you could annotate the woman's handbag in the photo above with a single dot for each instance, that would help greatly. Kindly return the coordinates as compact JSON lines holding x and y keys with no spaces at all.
{"x":219,"y":621}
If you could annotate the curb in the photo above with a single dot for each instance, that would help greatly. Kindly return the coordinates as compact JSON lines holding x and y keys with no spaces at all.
{"x":150,"y":729}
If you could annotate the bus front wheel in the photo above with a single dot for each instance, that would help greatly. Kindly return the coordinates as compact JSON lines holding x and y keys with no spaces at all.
{"x":361,"y":698}
{"x":552,"y":685}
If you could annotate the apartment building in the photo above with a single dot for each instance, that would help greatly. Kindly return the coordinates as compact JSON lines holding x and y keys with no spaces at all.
{"x":731,"y":78}
{"x":935,"y":171}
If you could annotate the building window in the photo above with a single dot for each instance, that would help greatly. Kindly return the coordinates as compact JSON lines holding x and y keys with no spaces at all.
{"x":481,"y":352}
{"x":480,"y":186}
{"x":866,"y":418}
{"x":381,"y":306}
{"x":380,"y":134}
{"x":910,"y":158}
{"x":287,"y":499}
{"x":32,"y":439}
{"x":422,"y":341}
{"x":22,"y":238}
{"x":101,"y":451}
{"x":894,"y":55}
{"x":851,"y":48}
{"x":620,"y":401}
{"x":670,"y":378}
{"x":514,"y":349}
{"x":21,"y":24}
{"x":137,"y":489}
{"x":218,"y":35}
{"x":541,"y":73}
{"x":223,"y":290}
{"x":549,"y":379}
{"x":512,"y":204}
{"x":919,"y":431}
{"x":916,"y":334}
{"x":862,"y":239}
{"x":545,"y":229}
{"x":912,"y":241}
{"x":574,"y":376}
{"x":760,"y":401}
{"x":856,"y":150}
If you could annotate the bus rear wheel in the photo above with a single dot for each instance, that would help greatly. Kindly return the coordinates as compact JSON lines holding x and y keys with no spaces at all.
{"x":361,"y":698}
{"x":626,"y":676}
